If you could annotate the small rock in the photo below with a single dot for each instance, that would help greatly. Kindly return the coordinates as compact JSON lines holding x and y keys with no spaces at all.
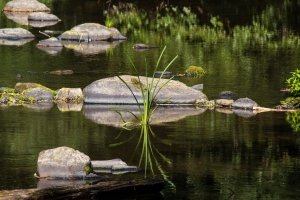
{"x":244,"y":103}
{"x":51,"y":42}
{"x":19,"y":76}
{"x":198,"y":87}
{"x":227,"y":95}
{"x":224,"y":102}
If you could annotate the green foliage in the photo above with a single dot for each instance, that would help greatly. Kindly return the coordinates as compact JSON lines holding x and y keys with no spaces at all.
{"x":216,"y":23}
{"x":149,"y":92}
{"x":293,"y":118}
{"x":294,"y":82}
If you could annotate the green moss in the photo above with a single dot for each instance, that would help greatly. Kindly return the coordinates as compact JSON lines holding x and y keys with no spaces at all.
{"x":195,"y":71}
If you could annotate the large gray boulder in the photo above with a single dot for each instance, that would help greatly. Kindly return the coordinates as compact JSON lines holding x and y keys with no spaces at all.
{"x":91,"y":32}
{"x":25,"y":6}
{"x":62,"y":163}
{"x":113,"y":91}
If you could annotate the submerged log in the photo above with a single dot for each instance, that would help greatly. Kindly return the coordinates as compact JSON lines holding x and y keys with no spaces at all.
{"x":111,"y":188}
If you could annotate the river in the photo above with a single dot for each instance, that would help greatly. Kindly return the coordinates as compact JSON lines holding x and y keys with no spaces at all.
{"x":206,"y":154}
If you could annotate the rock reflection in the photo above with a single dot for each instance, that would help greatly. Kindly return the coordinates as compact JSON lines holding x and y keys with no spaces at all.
{"x":18,"y":42}
{"x":102,"y":114}
{"x":18,"y":17}
{"x":39,"y":107}
{"x":92,"y":47}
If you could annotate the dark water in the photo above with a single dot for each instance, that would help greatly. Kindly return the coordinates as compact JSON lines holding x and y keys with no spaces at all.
{"x":204,"y":155}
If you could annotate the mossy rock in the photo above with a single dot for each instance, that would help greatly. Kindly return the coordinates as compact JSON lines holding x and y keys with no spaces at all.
{"x":22,"y":87}
{"x":195,"y":71}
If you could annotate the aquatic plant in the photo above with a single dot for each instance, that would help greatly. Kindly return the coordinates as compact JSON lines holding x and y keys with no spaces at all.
{"x":149,"y":92}
{"x":294,"y":82}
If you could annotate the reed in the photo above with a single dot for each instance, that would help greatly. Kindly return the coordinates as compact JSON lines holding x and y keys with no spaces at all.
{"x":147,"y":108}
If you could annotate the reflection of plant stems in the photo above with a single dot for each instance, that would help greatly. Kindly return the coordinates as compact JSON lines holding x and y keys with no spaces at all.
{"x":148,"y":153}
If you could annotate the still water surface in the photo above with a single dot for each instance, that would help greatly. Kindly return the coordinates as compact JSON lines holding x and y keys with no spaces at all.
{"x":207,"y":155}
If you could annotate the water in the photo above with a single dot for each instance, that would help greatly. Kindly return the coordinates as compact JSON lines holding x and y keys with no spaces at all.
{"x":204,"y":155}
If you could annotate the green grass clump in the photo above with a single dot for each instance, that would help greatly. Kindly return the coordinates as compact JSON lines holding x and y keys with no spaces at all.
{"x":149,"y":92}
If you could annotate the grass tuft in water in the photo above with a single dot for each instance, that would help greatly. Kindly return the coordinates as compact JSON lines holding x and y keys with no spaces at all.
{"x":149,"y":92}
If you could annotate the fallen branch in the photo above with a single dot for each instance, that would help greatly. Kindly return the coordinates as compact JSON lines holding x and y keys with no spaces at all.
{"x":111,"y":188}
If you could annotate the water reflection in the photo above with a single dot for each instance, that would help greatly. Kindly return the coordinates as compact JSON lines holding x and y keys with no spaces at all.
{"x":102,"y":114}
{"x":150,"y":156}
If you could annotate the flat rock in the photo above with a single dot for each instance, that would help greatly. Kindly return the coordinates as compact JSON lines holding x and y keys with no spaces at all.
{"x":25,"y":6}
{"x":62,"y":163}
{"x":224,"y":102}
{"x":50,"y":42}
{"x":114,"y":166}
{"x":42,"y":16}
{"x":91,"y":32}
{"x":15,"y":33}
{"x":113,"y":91}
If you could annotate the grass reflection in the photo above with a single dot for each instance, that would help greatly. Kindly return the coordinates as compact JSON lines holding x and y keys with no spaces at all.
{"x":150,"y":156}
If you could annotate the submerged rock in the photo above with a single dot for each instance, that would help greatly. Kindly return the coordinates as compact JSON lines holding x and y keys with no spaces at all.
{"x":25,"y":6}
{"x":114,"y":166}
{"x":50,"y":42}
{"x":144,"y":46}
{"x":113,"y":91}
{"x":62,"y":163}
{"x":227,"y":95}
